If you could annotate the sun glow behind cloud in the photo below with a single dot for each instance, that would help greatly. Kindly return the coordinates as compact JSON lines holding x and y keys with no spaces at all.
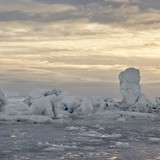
{"x":61,"y":42}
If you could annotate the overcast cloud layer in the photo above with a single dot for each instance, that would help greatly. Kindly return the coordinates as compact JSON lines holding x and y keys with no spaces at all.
{"x":81,"y":45}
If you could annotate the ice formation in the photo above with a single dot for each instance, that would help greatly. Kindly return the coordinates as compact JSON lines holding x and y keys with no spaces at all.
{"x":130,"y":89}
{"x":129,"y":85}
{"x":40,"y":93}
{"x":68,"y":104}
{"x":86,"y":106}
{"x":17,"y":108}
{"x":3,"y":100}
{"x":44,"y":105}
{"x":158,"y":100}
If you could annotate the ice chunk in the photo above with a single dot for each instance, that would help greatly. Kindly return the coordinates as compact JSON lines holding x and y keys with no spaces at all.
{"x":122,"y":144}
{"x":18,"y":108}
{"x":72,"y":128}
{"x":3,"y":100}
{"x":130,"y":92}
{"x":44,"y":106}
{"x":130,"y":75}
{"x":130,"y":89}
{"x":68,"y":104}
{"x":54,"y":147}
{"x":158,"y":100}
{"x":142,"y":104}
{"x":154,"y":139}
{"x":101,"y":104}
{"x":129,"y":85}
{"x":86,"y":106}
{"x":40,"y":93}
{"x":121,"y":119}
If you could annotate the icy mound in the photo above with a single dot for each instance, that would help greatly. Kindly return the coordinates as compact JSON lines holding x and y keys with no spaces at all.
{"x":46,"y":106}
{"x":40,"y":93}
{"x":129,"y":85}
{"x":16,"y":108}
{"x":68,"y":104}
{"x":85,"y":105}
{"x":158,"y":101}
{"x":130,"y":89}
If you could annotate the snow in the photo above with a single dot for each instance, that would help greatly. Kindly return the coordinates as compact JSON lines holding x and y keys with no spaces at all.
{"x":101,"y":129}
{"x":71,"y":128}
{"x":44,"y":106}
{"x":121,"y":119}
{"x":96,"y":134}
{"x":122,"y":144}
{"x":40,"y":93}
{"x":57,"y":106}
{"x":129,"y":85}
{"x":130,"y":88}
{"x":52,"y":109}
{"x":129,"y":140}
{"x":86,"y":106}
{"x":158,"y":100}
{"x":54,"y":148}
{"x":154,"y":139}
{"x":68,"y":104}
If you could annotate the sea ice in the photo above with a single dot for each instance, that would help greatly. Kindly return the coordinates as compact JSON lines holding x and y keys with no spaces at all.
{"x":130,"y":89}
{"x":52,"y":105}
{"x":3,"y":100}
{"x":122,"y":144}
{"x":129,"y":85}
{"x":158,"y":100}
{"x":40,"y":93}
{"x":86,"y":106}
{"x":44,"y":106}
{"x":69,"y":104}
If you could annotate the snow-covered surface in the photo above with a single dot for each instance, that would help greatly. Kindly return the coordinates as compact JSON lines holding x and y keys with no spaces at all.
{"x":129,"y":85}
{"x":40,"y":93}
{"x":52,"y":109}
{"x":52,"y":105}
{"x":122,"y":144}
{"x":51,"y":124}
{"x":82,"y":140}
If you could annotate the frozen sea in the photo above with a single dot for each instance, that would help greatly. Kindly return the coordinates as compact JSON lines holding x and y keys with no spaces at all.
{"x":90,"y":138}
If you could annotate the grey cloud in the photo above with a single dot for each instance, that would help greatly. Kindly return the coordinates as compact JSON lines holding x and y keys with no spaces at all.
{"x":121,"y":12}
{"x":142,"y":3}
{"x":14,"y":15}
{"x":145,"y":4}
{"x":73,"y":2}
{"x":41,"y":17}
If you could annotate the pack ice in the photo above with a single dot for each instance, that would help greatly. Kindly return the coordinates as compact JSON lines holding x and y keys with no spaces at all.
{"x":44,"y":105}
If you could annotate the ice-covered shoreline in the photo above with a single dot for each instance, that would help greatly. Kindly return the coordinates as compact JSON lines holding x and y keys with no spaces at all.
{"x":16,"y":111}
{"x":56,"y":105}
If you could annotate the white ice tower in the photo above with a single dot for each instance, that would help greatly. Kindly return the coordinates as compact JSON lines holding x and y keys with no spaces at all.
{"x":129,"y":85}
{"x":130,"y":89}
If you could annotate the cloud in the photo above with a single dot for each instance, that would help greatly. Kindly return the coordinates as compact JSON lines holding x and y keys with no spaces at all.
{"x":73,"y":2}
{"x":120,"y":12}
{"x":118,"y":1}
{"x":45,"y":42}
{"x":31,"y":7}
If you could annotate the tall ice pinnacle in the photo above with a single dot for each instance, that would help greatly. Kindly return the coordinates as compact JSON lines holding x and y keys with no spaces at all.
{"x":130,"y":86}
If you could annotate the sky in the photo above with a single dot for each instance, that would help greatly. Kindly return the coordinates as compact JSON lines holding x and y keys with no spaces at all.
{"x":79,"y":45}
